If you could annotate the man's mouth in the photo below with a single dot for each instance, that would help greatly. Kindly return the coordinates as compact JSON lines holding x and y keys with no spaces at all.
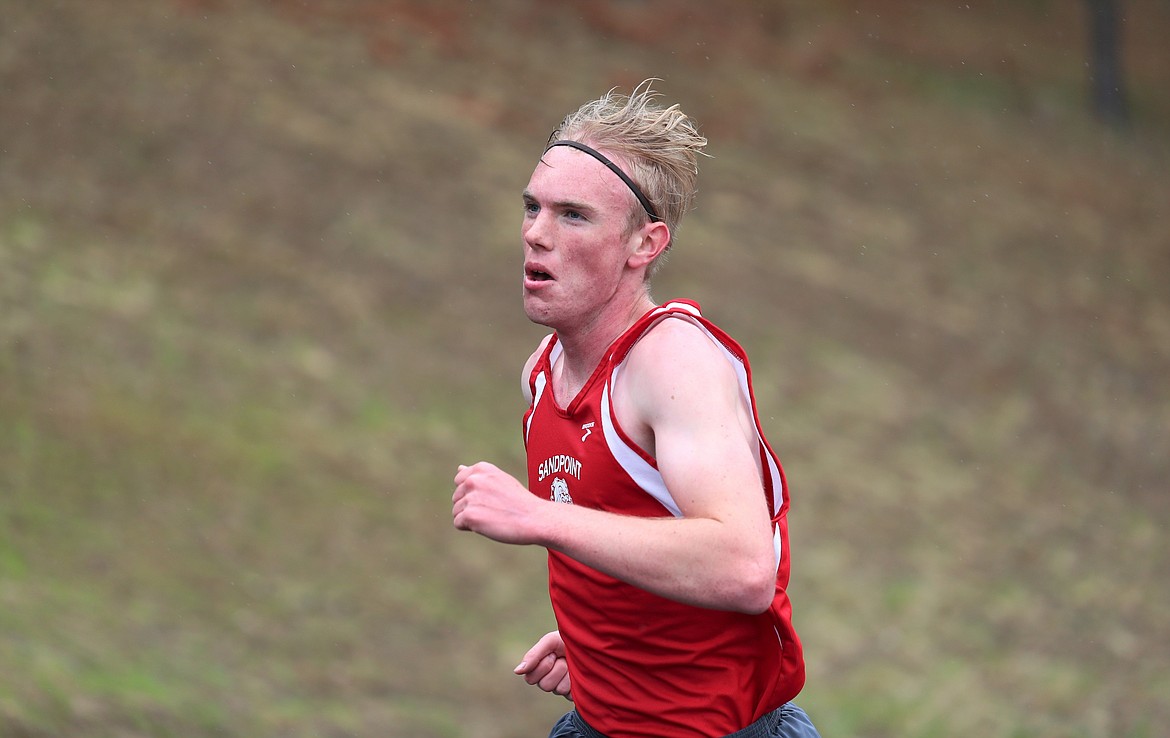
{"x":537,"y":275}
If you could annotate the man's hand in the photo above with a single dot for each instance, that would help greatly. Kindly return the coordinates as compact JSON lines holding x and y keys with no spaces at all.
{"x":544,"y":666}
{"x":494,"y":504}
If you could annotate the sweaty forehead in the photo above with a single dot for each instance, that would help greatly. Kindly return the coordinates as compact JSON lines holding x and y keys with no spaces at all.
{"x":564,"y":172}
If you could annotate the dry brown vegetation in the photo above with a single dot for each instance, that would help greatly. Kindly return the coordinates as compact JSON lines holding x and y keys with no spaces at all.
{"x":258,"y":298}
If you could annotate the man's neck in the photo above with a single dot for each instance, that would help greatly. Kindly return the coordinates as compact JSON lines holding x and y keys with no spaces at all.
{"x":584,"y":347}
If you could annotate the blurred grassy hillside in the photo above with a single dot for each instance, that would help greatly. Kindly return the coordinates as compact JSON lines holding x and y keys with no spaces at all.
{"x":259,"y":297}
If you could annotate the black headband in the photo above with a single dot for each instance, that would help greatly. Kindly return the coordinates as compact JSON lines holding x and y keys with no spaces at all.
{"x":615,"y":169}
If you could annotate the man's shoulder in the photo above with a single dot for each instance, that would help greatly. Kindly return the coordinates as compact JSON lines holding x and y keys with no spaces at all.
{"x":675,"y":332}
{"x":540,"y":349}
{"x":675,"y":374}
{"x":530,"y":365}
{"x":675,"y":343}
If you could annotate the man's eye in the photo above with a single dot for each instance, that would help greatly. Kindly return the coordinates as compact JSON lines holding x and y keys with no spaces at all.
{"x":574,"y":215}
{"x":531,"y":208}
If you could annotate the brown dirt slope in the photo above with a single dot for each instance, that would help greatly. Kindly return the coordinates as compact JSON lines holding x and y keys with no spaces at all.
{"x":258,"y":299}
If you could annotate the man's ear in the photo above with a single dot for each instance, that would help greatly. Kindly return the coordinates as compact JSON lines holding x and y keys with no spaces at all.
{"x":653,"y":239}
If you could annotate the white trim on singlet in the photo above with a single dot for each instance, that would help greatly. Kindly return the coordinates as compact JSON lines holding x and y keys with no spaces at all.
{"x":538,"y":391}
{"x":640,"y":470}
{"x":539,"y":383}
{"x":646,"y":475}
{"x":777,"y":545}
{"x":679,"y":306}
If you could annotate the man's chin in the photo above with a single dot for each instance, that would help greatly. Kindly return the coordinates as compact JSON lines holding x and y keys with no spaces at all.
{"x":536,"y":310}
{"x":540,"y":319}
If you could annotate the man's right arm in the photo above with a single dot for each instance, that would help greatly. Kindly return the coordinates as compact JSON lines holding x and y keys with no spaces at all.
{"x":525,"y":387}
{"x":544,"y":665}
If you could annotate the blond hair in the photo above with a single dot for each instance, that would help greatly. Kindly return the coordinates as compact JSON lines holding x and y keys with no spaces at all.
{"x":660,"y":146}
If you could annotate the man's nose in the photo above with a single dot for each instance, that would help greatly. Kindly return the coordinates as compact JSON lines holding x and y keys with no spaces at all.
{"x":536,"y":232}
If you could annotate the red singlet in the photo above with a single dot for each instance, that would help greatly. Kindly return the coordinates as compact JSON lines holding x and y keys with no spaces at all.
{"x":643,"y":666}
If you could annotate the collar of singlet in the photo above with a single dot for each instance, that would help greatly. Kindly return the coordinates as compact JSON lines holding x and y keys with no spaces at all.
{"x":616,"y":170}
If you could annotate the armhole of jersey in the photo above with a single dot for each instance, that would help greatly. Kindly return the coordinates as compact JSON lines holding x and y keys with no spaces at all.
{"x":538,"y":382}
{"x":635,"y":461}
{"x":771,"y":476}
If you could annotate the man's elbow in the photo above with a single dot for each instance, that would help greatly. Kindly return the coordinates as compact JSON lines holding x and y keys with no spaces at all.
{"x":756,"y":589}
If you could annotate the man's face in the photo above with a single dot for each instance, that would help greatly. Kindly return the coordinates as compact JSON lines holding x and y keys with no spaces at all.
{"x":576,"y":239}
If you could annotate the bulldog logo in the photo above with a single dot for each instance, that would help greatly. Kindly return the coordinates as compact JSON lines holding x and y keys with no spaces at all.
{"x":560,"y":491}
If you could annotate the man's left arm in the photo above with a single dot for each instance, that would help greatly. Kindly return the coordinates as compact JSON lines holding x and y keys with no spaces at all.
{"x":678,"y":391}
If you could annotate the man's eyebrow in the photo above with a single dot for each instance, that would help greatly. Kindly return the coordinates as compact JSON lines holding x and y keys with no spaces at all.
{"x":561,"y":204}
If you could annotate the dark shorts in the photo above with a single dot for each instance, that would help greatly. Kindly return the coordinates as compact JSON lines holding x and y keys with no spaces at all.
{"x":786,"y":721}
